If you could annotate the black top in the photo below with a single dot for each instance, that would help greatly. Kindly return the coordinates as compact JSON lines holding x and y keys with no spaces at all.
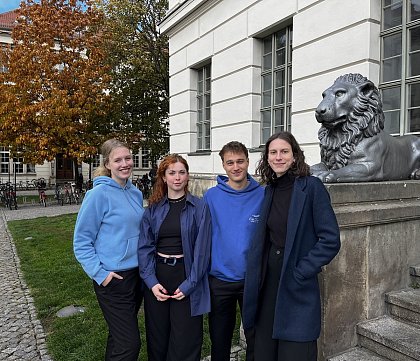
{"x":279,"y":210}
{"x":169,"y":237}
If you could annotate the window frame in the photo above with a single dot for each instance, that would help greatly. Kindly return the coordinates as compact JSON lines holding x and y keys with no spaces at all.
{"x":406,"y":81}
{"x":4,"y":160}
{"x":203,"y":96}
{"x":274,"y":108}
{"x":136,"y":160}
{"x":145,"y":158}
{"x":96,"y":161}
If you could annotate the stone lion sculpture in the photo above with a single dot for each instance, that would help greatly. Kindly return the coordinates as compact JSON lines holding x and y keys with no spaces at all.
{"x":354,"y":146}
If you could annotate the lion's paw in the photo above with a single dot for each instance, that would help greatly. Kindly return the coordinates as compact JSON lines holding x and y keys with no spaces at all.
{"x":325,"y":176}
{"x":415,"y":174}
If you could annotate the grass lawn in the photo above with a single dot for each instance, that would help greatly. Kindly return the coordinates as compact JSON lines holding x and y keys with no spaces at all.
{"x":56,"y":280}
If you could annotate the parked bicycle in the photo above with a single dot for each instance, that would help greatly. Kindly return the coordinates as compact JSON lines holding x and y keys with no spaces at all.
{"x":67,"y":193}
{"x":143,"y":184}
{"x":58,"y":194}
{"x":76,"y":193}
{"x":41,"y":186}
{"x":8,"y":195}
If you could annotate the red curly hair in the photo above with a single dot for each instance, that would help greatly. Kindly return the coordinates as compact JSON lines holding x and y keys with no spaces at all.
{"x":160,"y":189}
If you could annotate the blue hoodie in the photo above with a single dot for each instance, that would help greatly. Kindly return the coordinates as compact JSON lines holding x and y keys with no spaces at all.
{"x":107,"y":228}
{"x":234,"y":216}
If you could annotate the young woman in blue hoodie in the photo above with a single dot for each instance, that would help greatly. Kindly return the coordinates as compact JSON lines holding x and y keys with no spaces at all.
{"x":105,"y":243}
{"x":174,"y":255}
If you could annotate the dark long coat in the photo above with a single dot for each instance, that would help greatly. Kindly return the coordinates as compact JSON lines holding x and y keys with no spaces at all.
{"x":312,"y":241}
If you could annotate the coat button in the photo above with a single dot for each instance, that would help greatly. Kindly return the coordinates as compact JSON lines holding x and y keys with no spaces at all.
{"x":277,"y":252}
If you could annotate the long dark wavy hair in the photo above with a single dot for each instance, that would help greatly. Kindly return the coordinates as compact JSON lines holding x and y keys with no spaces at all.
{"x":299,"y":168}
{"x":160,"y":189}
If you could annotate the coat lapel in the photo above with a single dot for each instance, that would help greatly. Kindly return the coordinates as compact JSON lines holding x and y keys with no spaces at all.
{"x":295,"y":212}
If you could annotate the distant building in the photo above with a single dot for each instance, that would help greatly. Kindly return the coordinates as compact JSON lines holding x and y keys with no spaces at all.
{"x":61,"y":169}
{"x":242,"y":70}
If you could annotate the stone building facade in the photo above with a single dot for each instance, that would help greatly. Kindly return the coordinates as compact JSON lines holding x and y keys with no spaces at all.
{"x":241,"y":70}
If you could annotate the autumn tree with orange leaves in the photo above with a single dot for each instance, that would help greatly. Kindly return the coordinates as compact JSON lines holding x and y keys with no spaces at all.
{"x":54,"y":98}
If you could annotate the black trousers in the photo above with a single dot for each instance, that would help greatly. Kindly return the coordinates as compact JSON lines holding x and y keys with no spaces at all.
{"x":120,"y":302}
{"x":222,"y":319}
{"x":172,"y":334}
{"x":267,"y":348}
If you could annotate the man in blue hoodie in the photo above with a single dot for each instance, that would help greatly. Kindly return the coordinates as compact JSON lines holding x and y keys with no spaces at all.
{"x":234,"y":205}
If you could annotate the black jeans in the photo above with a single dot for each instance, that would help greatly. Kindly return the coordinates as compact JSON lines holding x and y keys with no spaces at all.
{"x":222,"y":319}
{"x":267,"y":348}
{"x":120,"y":302}
{"x":172,"y":333}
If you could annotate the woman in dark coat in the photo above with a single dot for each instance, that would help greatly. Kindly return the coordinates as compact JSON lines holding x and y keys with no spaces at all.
{"x":297,"y":235}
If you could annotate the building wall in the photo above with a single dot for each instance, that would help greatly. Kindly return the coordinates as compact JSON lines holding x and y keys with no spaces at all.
{"x":229,"y":32}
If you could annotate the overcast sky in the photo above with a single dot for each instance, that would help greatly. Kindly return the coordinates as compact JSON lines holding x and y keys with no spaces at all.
{"x":7,"y":5}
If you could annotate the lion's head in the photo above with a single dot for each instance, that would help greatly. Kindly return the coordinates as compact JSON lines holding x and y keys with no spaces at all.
{"x":351,"y":109}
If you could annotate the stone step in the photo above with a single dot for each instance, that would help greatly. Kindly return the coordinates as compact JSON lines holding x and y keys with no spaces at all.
{"x":415,"y":276}
{"x":405,"y":305}
{"x":357,"y":354}
{"x":390,"y":338}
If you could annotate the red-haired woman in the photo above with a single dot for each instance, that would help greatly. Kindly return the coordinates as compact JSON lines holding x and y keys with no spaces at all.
{"x":174,"y":253}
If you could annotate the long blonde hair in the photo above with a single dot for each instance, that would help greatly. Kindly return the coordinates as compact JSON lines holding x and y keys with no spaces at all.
{"x":106,"y":149}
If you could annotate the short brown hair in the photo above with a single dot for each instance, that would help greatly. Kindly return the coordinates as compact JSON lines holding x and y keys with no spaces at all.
{"x":234,"y":147}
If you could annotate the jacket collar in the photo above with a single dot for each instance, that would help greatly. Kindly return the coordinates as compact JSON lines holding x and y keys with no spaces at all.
{"x":189,"y":199}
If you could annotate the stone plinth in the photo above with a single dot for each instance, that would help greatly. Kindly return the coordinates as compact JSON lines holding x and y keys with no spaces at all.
{"x":380,"y":235}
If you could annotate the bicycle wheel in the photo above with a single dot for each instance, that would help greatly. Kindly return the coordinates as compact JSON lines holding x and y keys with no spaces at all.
{"x":15,"y":202}
{"x":12,"y":202}
{"x":68,"y":198}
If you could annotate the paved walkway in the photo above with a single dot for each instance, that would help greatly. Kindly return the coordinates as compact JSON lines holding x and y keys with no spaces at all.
{"x":21,"y":334}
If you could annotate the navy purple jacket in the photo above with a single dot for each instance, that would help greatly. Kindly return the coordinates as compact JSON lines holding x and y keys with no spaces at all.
{"x":312,"y":241}
{"x":196,"y":242}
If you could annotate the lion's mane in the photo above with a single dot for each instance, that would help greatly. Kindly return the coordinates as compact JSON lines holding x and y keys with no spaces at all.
{"x":364,"y":121}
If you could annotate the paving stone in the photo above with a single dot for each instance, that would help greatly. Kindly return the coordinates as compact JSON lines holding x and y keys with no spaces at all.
{"x":21,"y":334}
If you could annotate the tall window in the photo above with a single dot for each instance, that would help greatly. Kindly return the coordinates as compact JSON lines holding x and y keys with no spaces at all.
{"x":203,"y":107}
{"x":4,"y":160}
{"x":136,"y":160}
{"x":276,"y":83}
{"x":4,"y":47}
{"x":145,"y":158}
{"x":96,"y":161}
{"x":19,"y":169}
{"x":400,"y":65}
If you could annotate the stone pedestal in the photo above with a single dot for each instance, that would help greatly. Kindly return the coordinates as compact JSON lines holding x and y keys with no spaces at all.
{"x":380,"y":240}
{"x":380,"y":235}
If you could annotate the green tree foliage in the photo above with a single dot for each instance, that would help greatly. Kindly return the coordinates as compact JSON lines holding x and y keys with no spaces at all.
{"x":53,"y":98}
{"x":139,"y":57}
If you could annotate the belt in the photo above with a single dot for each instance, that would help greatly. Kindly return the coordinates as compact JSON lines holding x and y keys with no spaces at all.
{"x":170,"y":261}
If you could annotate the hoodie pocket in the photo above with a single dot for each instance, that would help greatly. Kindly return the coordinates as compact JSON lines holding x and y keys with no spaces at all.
{"x":131,"y":248}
